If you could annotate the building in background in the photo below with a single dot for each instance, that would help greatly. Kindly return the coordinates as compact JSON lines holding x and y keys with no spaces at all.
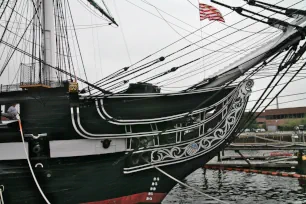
{"x":282,"y":119}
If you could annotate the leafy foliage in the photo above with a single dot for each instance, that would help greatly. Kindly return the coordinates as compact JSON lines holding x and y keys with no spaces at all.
{"x":290,"y":124}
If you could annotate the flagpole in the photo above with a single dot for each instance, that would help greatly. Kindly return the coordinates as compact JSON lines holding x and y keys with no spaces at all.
{"x":202,"y":50}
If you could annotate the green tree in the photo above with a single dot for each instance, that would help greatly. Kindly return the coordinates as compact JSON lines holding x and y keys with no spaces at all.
{"x":290,"y":124}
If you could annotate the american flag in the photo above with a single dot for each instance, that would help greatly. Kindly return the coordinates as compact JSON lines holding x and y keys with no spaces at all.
{"x":192,"y":148}
{"x":210,"y":12}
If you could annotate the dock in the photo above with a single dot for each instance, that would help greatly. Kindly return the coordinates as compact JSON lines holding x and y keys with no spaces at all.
{"x":283,"y":166}
{"x":266,"y":146}
{"x":250,"y":157}
{"x":291,"y":158}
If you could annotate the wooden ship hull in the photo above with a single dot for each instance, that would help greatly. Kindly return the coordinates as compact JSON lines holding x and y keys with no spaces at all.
{"x":81,"y":156}
{"x":119,"y":145}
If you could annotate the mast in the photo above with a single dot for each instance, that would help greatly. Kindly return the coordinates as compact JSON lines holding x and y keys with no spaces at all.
{"x":48,"y":48}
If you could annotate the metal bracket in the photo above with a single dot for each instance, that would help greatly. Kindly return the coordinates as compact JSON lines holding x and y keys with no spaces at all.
{"x":128,"y":128}
{"x":36,"y":137}
{"x":39,"y":165}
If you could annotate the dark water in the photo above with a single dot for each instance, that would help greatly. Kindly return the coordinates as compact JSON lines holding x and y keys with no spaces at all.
{"x":239,"y":187}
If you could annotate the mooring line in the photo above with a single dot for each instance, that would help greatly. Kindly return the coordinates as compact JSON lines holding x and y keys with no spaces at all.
{"x":1,"y":195}
{"x":29,"y":163}
{"x":186,"y":185}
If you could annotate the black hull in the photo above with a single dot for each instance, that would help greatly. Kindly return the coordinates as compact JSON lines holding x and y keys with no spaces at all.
{"x":119,"y":173}
{"x":87,"y":179}
{"x":48,"y":111}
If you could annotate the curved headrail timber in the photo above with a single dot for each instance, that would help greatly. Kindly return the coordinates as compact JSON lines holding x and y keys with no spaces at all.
{"x":106,"y":116}
{"x":220,"y":109}
{"x":198,"y":147}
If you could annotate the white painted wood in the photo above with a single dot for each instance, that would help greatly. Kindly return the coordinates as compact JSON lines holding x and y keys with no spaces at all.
{"x":12,"y":151}
{"x":5,"y":122}
{"x":3,"y":108}
{"x":83,"y":147}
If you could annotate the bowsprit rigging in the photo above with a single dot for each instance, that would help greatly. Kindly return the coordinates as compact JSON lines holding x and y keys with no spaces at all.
{"x":113,"y":132}
{"x":160,"y":75}
{"x":293,"y":13}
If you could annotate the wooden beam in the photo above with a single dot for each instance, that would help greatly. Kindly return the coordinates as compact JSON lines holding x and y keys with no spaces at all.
{"x":35,"y":86}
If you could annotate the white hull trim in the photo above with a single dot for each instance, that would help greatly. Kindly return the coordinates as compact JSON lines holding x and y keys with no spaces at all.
{"x":116,"y":121}
{"x":64,"y":148}
{"x":84,"y":147}
{"x":12,"y":151}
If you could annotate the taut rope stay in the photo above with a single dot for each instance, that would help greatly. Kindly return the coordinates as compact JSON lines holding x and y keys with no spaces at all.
{"x":29,"y":163}
{"x":1,"y":194}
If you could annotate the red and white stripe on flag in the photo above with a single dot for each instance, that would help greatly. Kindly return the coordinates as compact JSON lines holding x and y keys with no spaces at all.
{"x":210,"y":12}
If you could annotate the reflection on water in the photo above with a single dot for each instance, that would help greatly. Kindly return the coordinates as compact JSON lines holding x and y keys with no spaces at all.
{"x":239,"y":187}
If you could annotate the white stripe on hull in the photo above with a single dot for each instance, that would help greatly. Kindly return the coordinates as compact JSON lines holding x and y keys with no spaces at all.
{"x":64,"y":148}
{"x":83,"y":147}
{"x":12,"y":151}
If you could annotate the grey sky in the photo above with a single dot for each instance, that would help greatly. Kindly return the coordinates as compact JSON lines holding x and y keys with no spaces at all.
{"x":145,"y":33}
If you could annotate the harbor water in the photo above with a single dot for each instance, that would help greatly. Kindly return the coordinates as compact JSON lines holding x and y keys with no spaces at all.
{"x":238,"y":187}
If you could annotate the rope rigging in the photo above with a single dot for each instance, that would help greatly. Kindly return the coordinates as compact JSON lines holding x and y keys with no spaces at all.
{"x":169,"y":44}
{"x":120,"y":79}
{"x":251,"y":117}
{"x":186,"y":185}
{"x":5,"y":65}
{"x":144,"y":146}
{"x":1,"y":191}
{"x":244,"y":27}
{"x":170,"y":61}
{"x":199,"y":69}
{"x":174,"y":69}
{"x":270,"y":21}
{"x":248,"y":47}
{"x":74,"y":29}
{"x":280,"y":68}
{"x":169,"y":24}
{"x":209,"y":65}
{"x":110,"y":84}
{"x":29,"y":163}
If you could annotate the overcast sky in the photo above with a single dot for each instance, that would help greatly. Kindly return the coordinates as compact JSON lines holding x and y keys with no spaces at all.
{"x":143,"y":30}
